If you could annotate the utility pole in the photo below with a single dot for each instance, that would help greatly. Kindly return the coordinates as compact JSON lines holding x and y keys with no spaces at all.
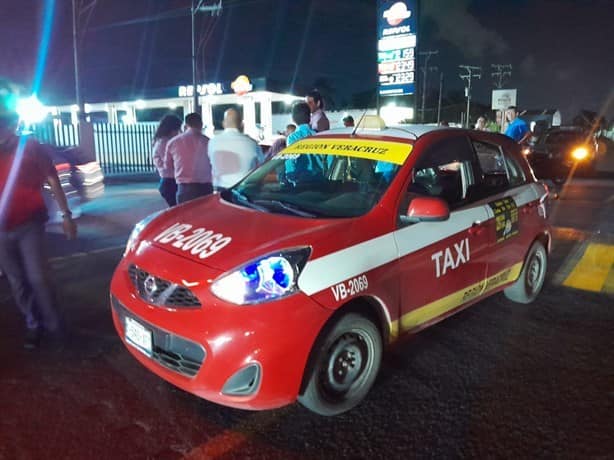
{"x":197,"y":5}
{"x":78,"y":10}
{"x":502,"y":71}
{"x":472,"y":72}
{"x":75,"y":47}
{"x":425,"y":69}
{"x":440,"y":92}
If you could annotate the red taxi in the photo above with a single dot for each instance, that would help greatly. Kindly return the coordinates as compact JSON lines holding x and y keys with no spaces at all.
{"x":289,"y":285}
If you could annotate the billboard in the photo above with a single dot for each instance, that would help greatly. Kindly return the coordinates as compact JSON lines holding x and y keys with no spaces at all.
{"x":396,"y":47}
{"x":503,"y":98}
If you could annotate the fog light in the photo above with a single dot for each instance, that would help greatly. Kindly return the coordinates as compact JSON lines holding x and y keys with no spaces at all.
{"x":244,"y":382}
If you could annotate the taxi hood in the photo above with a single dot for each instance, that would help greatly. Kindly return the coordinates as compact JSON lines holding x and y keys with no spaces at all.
{"x":223,"y":235}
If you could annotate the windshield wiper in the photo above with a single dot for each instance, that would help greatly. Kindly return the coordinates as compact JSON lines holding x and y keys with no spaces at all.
{"x":288,"y":207}
{"x":243,"y":199}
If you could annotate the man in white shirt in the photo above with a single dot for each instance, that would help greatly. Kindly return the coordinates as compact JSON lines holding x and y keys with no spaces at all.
{"x":187,"y":155}
{"x":233,"y":154}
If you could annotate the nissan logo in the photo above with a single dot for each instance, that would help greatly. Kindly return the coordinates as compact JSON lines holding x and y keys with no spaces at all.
{"x":150,"y":286}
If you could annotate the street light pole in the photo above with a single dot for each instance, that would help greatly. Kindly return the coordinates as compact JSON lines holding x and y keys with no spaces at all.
{"x":75,"y":46}
{"x":197,"y":5}
{"x":194,"y":91}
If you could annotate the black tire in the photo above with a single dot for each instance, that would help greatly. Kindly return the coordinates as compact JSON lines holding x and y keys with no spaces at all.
{"x":346,"y":360}
{"x":531,"y":280}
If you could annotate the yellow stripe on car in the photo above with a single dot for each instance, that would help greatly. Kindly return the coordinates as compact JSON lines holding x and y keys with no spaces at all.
{"x":592,"y":271}
{"x":426,"y":313}
{"x":392,"y":152}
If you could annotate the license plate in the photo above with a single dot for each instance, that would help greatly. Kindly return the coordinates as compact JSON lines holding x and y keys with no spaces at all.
{"x":138,"y":336}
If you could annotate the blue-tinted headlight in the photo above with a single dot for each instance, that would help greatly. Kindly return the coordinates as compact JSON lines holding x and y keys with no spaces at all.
{"x":268,"y":278}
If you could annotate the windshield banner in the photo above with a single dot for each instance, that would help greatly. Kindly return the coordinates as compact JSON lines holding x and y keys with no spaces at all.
{"x":391,"y":152}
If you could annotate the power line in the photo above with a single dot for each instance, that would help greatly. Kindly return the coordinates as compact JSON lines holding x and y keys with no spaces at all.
{"x":502,"y":71}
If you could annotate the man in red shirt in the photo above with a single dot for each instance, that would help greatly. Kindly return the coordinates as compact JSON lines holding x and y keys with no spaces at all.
{"x":24,"y":168}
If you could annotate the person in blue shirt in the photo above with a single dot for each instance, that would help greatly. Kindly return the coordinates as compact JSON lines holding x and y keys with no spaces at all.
{"x":300,"y":115}
{"x":517,"y":128}
{"x":305,"y":167}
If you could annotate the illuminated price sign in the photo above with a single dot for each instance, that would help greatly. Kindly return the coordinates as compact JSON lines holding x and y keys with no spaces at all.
{"x":396,"y":47}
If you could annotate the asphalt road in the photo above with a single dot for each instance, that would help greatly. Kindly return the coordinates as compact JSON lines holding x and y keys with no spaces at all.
{"x":498,"y":380}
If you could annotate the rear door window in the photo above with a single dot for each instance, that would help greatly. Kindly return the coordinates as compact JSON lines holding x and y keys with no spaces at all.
{"x":500,"y":171}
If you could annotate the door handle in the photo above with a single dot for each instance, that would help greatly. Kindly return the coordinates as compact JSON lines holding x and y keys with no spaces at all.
{"x":476,"y":228}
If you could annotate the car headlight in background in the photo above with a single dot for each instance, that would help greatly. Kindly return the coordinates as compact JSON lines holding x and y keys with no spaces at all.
{"x":267,"y":278}
{"x":579,"y":153}
{"x":138,"y":228}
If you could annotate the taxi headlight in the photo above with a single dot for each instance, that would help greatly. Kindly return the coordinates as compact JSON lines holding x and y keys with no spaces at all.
{"x":579,"y":153}
{"x":268,"y":278}
{"x":138,"y":228}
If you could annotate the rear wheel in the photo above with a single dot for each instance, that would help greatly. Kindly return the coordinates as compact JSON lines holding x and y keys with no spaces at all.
{"x":531,"y":279}
{"x":346,"y":361}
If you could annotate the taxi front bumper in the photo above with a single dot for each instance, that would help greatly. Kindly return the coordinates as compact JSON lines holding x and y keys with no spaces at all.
{"x":248,"y":357}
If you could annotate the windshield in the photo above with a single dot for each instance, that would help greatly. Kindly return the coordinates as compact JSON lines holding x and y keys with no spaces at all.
{"x":322,"y":178}
{"x":564,"y":138}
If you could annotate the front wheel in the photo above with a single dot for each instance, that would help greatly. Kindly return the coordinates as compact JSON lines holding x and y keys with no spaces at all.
{"x":531,"y":279}
{"x":346,"y":362}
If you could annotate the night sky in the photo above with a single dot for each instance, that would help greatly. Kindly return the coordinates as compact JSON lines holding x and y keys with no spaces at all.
{"x":561,"y":51}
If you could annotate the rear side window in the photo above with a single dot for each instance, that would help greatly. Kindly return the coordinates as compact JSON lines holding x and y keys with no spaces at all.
{"x":515,"y":173}
{"x":500,"y":171}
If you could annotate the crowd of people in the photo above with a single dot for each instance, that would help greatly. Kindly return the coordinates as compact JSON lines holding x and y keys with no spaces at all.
{"x":514,"y":126}
{"x":191,"y":165}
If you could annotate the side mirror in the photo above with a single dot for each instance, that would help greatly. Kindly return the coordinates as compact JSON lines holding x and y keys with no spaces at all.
{"x":427,"y":209}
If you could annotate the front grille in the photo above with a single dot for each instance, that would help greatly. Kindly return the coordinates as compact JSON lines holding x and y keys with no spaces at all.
{"x":171,"y":351}
{"x":160,"y":292}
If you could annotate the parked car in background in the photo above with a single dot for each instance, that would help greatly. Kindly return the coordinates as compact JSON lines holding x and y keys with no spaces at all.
{"x":559,"y":149}
{"x":82,"y":180}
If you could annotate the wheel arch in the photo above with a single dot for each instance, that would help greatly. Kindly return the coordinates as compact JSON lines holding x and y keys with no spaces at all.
{"x":544,"y":238}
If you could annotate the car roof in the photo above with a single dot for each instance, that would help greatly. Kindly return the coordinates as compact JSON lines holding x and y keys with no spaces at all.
{"x":568,"y":129}
{"x":409,"y":132}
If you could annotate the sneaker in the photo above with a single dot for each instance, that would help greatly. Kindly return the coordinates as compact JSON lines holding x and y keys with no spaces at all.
{"x":32,"y":339}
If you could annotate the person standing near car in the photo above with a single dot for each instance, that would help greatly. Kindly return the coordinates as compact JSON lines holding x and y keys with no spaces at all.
{"x":348,"y":121}
{"x":319,"y":120}
{"x":188,"y":156}
{"x":233,"y":154}
{"x":305,"y":165}
{"x":517,"y":128}
{"x":169,"y":127}
{"x":24,"y":168}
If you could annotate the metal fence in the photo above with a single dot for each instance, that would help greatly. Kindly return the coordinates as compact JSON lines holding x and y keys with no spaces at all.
{"x":124,"y":149}
{"x":56,"y":134}
{"x":119,"y":148}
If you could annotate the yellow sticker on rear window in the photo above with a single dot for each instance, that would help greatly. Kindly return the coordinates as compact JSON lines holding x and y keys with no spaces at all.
{"x":392,"y":152}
